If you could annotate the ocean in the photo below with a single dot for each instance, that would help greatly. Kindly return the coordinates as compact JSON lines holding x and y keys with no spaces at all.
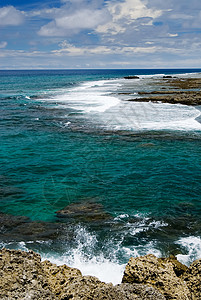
{"x":72,"y":136}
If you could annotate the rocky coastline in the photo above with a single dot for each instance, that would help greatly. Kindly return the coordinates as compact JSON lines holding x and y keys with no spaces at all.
{"x":186,"y":91}
{"x":25,"y":276}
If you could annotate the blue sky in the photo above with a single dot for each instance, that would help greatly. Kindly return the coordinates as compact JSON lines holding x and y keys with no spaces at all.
{"x":54,"y":34}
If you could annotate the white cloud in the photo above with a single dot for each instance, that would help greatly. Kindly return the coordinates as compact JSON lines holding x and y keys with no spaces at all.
{"x":71,"y":50}
{"x":172,"y":34}
{"x":3,"y":44}
{"x":9,"y":15}
{"x":73,"y":17}
{"x":125,"y":13}
{"x":66,"y":24}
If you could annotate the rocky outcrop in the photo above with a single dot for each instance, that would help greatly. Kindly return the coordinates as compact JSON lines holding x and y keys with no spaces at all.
{"x":177,"y":91}
{"x":131,"y":77}
{"x":193,"y":279}
{"x":177,"y":98}
{"x":158,"y":273}
{"x":24,"y":276}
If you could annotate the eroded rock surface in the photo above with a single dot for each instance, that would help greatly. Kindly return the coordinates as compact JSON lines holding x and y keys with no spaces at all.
{"x":158,"y":273}
{"x":24,"y":276}
{"x":193,"y":279}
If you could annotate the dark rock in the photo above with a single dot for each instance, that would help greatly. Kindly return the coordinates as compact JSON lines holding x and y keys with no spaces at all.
{"x":131,"y":77}
{"x":18,"y":228}
{"x":9,"y":221}
{"x":86,"y":211}
{"x":167,"y":76}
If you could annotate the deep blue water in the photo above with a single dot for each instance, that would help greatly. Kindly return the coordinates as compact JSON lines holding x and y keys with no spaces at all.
{"x":58,"y":147}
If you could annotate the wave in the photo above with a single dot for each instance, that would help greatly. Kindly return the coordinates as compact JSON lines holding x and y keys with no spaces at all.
{"x":192,"y":247}
{"x":99,"y":102}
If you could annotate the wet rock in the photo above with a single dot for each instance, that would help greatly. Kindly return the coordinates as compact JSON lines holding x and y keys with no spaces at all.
{"x":131,"y":77}
{"x":186,"y":99}
{"x":21,"y":228}
{"x":86,"y":211}
{"x":167,"y":76}
{"x":192,"y":278}
{"x":184,"y":91}
{"x":158,"y":273}
{"x":9,"y":221}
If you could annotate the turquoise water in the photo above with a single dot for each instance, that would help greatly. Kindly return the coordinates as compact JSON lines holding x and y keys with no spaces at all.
{"x":60,"y":143}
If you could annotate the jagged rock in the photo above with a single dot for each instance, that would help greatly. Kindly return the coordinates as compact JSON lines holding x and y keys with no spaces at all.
{"x":131,"y":77}
{"x":22,"y":276}
{"x":193,"y":279}
{"x":178,"y":267}
{"x":60,"y":278}
{"x":86,"y":211}
{"x":126,"y":291}
{"x":158,"y":273}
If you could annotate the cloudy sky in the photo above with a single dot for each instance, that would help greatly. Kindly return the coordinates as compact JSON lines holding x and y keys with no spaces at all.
{"x":57,"y":34}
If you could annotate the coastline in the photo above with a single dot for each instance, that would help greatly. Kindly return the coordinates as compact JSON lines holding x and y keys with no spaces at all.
{"x":25,"y":276}
{"x":128,"y":230}
{"x":174,"y":91}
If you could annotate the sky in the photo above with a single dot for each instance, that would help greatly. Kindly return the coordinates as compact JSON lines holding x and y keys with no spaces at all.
{"x":68,"y":34}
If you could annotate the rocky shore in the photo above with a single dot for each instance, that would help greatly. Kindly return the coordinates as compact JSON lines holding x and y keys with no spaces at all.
{"x":25,"y":276}
{"x":185,"y":91}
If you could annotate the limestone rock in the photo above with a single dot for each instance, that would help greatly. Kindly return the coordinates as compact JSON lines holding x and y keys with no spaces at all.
{"x":158,"y":273}
{"x":193,"y":279}
{"x":22,"y":277}
{"x":60,"y":278}
{"x":178,"y":267}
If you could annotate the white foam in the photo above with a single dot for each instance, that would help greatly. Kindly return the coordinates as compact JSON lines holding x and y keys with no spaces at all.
{"x":96,"y":101}
{"x":93,"y":96}
{"x":192,"y":246}
{"x":151,"y":116}
{"x":141,"y":250}
{"x":85,"y":258}
{"x":102,"y":262}
{"x":104,"y":269}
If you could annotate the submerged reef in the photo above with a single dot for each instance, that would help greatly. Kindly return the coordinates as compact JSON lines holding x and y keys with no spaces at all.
{"x":25,"y":276}
{"x":173,"y":90}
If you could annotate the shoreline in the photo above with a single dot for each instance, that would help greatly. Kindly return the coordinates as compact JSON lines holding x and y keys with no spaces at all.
{"x":25,"y":276}
{"x":184,"y":91}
